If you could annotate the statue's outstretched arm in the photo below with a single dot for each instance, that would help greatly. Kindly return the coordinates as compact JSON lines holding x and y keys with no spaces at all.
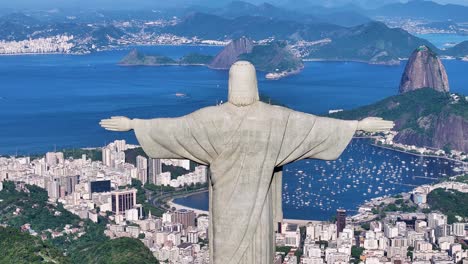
{"x":164,"y":138}
{"x":117,"y":123}
{"x":375,"y":124}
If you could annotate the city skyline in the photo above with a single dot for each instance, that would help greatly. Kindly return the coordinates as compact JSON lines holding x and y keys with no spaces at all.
{"x":399,"y":228}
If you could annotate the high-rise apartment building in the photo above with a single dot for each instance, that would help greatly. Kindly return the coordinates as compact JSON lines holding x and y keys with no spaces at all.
{"x":184,"y":217}
{"x":142,"y":166}
{"x":123,"y":200}
{"x":340,"y":220}
{"x":155,"y":168}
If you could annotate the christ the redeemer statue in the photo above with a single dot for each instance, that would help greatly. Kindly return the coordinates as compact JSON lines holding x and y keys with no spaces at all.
{"x":245,"y":143}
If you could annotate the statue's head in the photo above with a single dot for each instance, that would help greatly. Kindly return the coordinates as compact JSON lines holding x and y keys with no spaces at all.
{"x":243,"y":88}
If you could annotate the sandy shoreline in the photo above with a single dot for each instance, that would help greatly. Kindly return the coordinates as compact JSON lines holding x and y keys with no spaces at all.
{"x":179,"y":206}
{"x":417,"y":154}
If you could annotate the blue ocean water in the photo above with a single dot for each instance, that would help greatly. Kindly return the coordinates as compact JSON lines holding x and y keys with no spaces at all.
{"x":443,"y":40}
{"x":49,"y":101}
{"x":58,"y":100}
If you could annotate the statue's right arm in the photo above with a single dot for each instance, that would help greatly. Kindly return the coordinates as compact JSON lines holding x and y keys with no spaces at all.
{"x":375,"y":124}
{"x":166,"y":138}
{"x":117,"y":123}
{"x":149,"y":141}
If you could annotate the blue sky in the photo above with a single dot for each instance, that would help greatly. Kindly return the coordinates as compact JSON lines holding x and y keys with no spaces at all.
{"x":123,"y":4}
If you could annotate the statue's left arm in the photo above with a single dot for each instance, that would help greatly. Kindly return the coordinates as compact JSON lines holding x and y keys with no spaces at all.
{"x":309,"y":136}
{"x":170,"y":138}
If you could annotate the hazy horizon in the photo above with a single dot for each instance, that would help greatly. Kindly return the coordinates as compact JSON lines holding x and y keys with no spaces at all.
{"x":139,"y":4}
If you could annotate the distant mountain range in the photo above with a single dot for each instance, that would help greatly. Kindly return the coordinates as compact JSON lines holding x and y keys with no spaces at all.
{"x":342,"y":12}
{"x":344,"y":16}
{"x":240,"y":8}
{"x":421,"y":9}
{"x":211,"y":26}
{"x":153,"y":5}
{"x":414,"y":9}
{"x":330,"y":11}
{"x":310,"y":14}
{"x":372,"y":42}
{"x":459,"y":50}
{"x":361,"y":4}
{"x":339,"y":12}
{"x":338,"y":33}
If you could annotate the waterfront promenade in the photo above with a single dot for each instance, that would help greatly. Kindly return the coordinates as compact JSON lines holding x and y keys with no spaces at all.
{"x":171,"y":204}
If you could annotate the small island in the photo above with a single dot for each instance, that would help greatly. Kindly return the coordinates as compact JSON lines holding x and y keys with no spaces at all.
{"x":275,"y":58}
{"x":195,"y":59}
{"x":136,"y":58}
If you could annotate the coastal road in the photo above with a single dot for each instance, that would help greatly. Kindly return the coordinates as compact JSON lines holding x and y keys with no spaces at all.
{"x":160,"y":199}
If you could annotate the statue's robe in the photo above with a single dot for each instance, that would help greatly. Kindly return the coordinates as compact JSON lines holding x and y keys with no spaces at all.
{"x":243,"y":146}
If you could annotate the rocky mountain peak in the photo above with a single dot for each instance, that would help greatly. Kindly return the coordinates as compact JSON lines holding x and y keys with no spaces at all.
{"x":424,"y":70}
{"x":231,"y":53}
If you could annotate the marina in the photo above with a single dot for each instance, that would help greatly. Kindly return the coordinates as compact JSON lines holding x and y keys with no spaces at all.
{"x":314,"y":189}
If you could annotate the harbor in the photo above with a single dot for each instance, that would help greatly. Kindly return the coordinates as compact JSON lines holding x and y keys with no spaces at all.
{"x":314,"y":189}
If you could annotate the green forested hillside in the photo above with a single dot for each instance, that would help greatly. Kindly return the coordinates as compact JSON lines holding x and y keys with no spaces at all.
{"x":121,"y":250}
{"x":275,"y":56}
{"x":423,"y":117}
{"x":450,"y":202}
{"x":136,"y":58}
{"x":411,"y":106}
{"x":34,"y":209}
{"x":30,"y":206}
{"x":18,"y":248}
{"x":195,"y":59}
